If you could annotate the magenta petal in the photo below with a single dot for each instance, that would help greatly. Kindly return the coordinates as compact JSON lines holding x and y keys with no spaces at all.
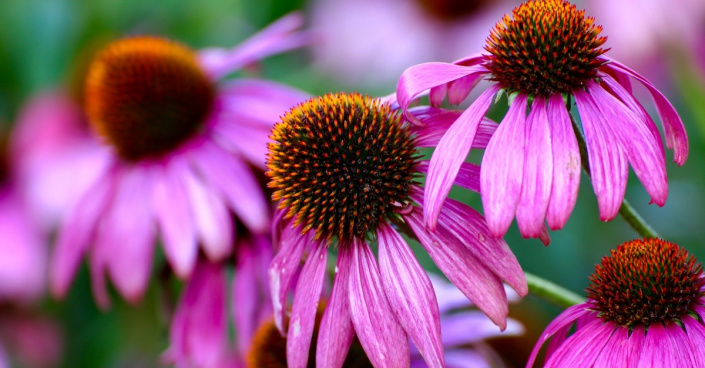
{"x":502,"y":168}
{"x":283,"y":268}
{"x":336,"y":331}
{"x":128,"y":234}
{"x":469,"y":327}
{"x":76,"y":233}
{"x":422,"y":77}
{"x":583,"y":347}
{"x":616,"y":351}
{"x":459,"y":89}
{"x":410,"y":294}
{"x":451,"y":152}
{"x":637,"y":141}
{"x":566,"y":164}
{"x":676,"y":137}
{"x":380,"y":334}
{"x":303,"y":311}
{"x":258,"y":101}
{"x":660,"y":349}
{"x":437,"y":121}
{"x":538,"y":172}
{"x":237,"y":183}
{"x":467,"y":272}
{"x":566,"y":318}
{"x":608,"y":163}
{"x":173,"y":214}
{"x":696,"y":334}
{"x":468,"y":175}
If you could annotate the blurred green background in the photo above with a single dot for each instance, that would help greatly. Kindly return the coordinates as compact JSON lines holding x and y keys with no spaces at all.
{"x":44,"y":44}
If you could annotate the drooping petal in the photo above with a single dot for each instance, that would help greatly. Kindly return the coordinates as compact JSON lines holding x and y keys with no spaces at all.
{"x":278,"y":37}
{"x":172,"y":211}
{"x":76,"y":233}
{"x":566,"y":164}
{"x":637,"y":142}
{"x":676,"y":137}
{"x":502,"y":168}
{"x":538,"y":172}
{"x":583,"y":347}
{"x":258,"y":102}
{"x":459,"y":89}
{"x":696,"y":334}
{"x":566,"y":318}
{"x":283,"y":268}
{"x":463,"y":269}
{"x":410,"y":294}
{"x":336,"y":331}
{"x":437,"y":121}
{"x":608,"y":163}
{"x":303,"y":311}
{"x":380,"y":334}
{"x":451,"y":152}
{"x":468,"y":175}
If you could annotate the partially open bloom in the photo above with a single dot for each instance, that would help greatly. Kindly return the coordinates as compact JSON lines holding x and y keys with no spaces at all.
{"x":342,"y":167}
{"x":177,"y":146}
{"x":544,"y":55}
{"x":645,"y":308}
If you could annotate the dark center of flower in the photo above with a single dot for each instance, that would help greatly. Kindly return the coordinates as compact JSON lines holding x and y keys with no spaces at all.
{"x":452,"y":9}
{"x":341,"y":163}
{"x":545,"y":47}
{"x":147,"y":95}
{"x":646,"y":281}
{"x":269,"y":349}
{"x":4,"y":159}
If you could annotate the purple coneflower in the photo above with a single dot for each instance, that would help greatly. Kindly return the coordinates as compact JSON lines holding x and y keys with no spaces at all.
{"x":199,"y":329}
{"x":342,"y":167}
{"x":645,"y":308}
{"x":178,"y":146}
{"x":545,"y":53}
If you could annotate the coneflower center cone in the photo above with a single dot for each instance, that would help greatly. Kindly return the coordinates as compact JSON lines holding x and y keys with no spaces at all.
{"x":146,"y":95}
{"x":544,"y":47}
{"x":644,"y":282}
{"x":341,"y":163}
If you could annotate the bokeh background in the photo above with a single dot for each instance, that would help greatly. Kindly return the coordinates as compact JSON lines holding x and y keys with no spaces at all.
{"x":360,"y":45}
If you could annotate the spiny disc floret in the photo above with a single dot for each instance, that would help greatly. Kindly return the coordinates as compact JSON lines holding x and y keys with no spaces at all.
{"x":646,"y":281}
{"x":545,"y":47}
{"x":340,"y":164}
{"x":147,"y":95}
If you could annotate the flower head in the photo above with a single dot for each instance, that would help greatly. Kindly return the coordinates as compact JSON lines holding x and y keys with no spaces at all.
{"x":546,"y":53}
{"x":177,"y":144}
{"x":343,"y":168}
{"x":645,"y":308}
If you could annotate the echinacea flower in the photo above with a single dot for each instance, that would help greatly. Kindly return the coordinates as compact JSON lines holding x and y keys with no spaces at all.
{"x":362,"y":35}
{"x":178,"y":146}
{"x":545,"y":53}
{"x":342,"y":167}
{"x":645,"y":308}
{"x":199,"y":329}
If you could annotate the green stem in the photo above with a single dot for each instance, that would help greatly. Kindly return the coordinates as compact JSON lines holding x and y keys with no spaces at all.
{"x":626,"y":210}
{"x":552,"y":293}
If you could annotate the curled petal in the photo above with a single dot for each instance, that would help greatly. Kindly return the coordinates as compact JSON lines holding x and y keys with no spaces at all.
{"x":564,"y":320}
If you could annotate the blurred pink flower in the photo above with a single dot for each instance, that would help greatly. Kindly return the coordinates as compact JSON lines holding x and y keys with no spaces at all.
{"x":174,"y":158}
{"x":32,"y":341}
{"x":360,"y":36}
{"x":342,"y":167}
{"x":532,"y":165}
{"x":199,"y":329}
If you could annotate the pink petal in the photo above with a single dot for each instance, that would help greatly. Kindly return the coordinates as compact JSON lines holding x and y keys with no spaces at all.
{"x":128,"y":233}
{"x":583,"y":347}
{"x":410,"y":294}
{"x":565,"y":319}
{"x":303,"y":311}
{"x":437,"y":121}
{"x":422,"y":77}
{"x":173,"y":214}
{"x":616,"y":351}
{"x":639,"y":144}
{"x":463,"y":269}
{"x":459,"y":89}
{"x":608,"y":163}
{"x":676,"y":137}
{"x":278,"y":37}
{"x":380,"y":334}
{"x":283,"y":268}
{"x":237,"y":183}
{"x":468,"y":175}
{"x":213,"y":223}
{"x":246,"y":140}
{"x":696,"y":335}
{"x":258,"y":103}
{"x":451,"y":152}
{"x":469,"y":327}
{"x":660,"y":350}
{"x":538,"y":172}
{"x":566,"y":164}
{"x":502,"y":168}
{"x":336,"y":331}
{"x":76,"y":233}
